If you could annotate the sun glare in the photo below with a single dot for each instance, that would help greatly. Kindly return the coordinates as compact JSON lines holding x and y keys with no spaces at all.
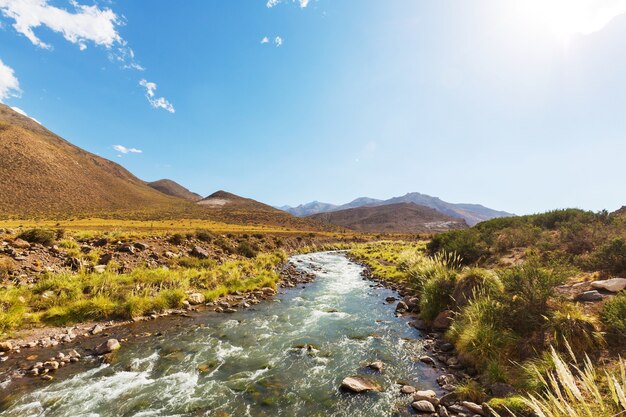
{"x":568,"y":18}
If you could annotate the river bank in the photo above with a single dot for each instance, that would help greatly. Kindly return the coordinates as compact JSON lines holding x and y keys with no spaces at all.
{"x":331,"y":329}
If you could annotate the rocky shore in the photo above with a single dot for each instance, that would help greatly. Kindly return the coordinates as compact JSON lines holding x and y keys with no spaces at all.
{"x":45,"y":352}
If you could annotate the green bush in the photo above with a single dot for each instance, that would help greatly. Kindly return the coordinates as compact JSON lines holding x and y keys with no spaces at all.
{"x":246,"y":249}
{"x":466,"y":243}
{"x":42,"y":236}
{"x":204,"y":235}
{"x":611,"y":256}
{"x":614,"y":315}
{"x":436,"y":295}
{"x":176,"y":239}
{"x":473,"y":281}
{"x":569,"y":323}
{"x":528,"y":288}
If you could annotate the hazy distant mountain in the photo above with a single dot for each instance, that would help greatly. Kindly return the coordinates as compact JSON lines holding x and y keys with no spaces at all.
{"x":471,"y":213}
{"x":392,"y":218}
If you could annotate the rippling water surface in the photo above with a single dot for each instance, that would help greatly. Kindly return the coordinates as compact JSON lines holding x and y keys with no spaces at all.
{"x":285,"y":357}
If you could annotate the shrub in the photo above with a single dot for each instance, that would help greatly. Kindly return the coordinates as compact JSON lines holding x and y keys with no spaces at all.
{"x":580,"y":393}
{"x":611,"y":256}
{"x":514,"y":406}
{"x":41,"y":236}
{"x":474,"y":281}
{"x":614,"y":315}
{"x":529,"y":288}
{"x":7,"y":266}
{"x":470,"y":390}
{"x":204,"y":235}
{"x":436,"y":295}
{"x":176,"y":239}
{"x":466,"y":243}
{"x":246,"y":249}
{"x":480,"y":334}
{"x":69,"y":244}
{"x":569,"y":323}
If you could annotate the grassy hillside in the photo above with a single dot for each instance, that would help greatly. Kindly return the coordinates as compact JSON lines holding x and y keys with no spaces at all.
{"x":174,"y":189}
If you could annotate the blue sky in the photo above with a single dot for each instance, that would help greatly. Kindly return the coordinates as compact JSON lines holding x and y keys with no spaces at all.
{"x":517,"y":105}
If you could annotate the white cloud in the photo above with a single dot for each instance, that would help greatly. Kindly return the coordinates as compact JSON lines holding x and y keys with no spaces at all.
{"x":83,"y":24}
{"x":265,"y":40}
{"x":125,"y":150}
{"x":278,"y":41}
{"x":272,"y":3}
{"x":156,"y":102}
{"x":23,"y":113}
{"x":9,"y":85}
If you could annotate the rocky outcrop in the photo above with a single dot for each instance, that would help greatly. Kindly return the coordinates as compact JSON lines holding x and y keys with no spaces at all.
{"x":359,"y":384}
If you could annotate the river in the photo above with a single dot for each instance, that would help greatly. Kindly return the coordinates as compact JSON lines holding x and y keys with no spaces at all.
{"x":284,"y":357}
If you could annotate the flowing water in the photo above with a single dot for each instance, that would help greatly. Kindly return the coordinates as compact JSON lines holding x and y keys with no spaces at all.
{"x":285,"y":357}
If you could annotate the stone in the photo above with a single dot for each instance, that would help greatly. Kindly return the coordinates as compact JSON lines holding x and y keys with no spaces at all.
{"x":20,"y":244}
{"x":100,"y":269}
{"x":390,"y":299}
{"x":589,"y":296}
{"x":428,"y":360}
{"x":195,"y":298}
{"x":51,"y":365}
{"x":359,"y":384}
{"x":140,"y":245}
{"x":268,"y":291}
{"x":443,"y":320}
{"x":107,"y":347}
{"x":442,"y":411}
{"x":96,"y":329}
{"x":376,"y":366}
{"x":473,"y":407}
{"x":407,"y":389}
{"x":6,"y":346}
{"x":427,"y":395}
{"x":101,"y":242}
{"x":105,"y":258}
{"x":446,"y":347}
{"x":47,"y":377}
{"x":126,"y":248}
{"x":446,"y":379}
{"x":419,"y":324}
{"x":423,"y":406}
{"x":402,"y":307}
{"x":199,"y":252}
{"x":611,"y":285}
{"x":169,"y":255}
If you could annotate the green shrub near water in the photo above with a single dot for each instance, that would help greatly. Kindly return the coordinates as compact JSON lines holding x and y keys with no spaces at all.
{"x":569,"y":323}
{"x":614,"y":316}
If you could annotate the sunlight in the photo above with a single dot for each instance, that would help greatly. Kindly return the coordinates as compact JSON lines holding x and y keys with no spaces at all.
{"x":567,"y":18}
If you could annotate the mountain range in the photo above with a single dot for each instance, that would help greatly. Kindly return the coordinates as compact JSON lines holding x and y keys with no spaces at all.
{"x":471,"y":213}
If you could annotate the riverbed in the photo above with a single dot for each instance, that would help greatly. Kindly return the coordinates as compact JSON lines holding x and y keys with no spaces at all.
{"x":284,"y":357}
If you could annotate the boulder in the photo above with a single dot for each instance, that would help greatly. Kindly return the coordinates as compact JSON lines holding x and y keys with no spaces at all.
{"x":100,"y":269}
{"x":449,"y":399}
{"x":473,"y":407}
{"x":108,"y":347}
{"x":407,"y":389}
{"x":611,"y":285}
{"x":126,"y":248}
{"x":199,"y":252}
{"x":195,"y":298}
{"x":101,"y":242}
{"x":20,"y":244}
{"x":140,"y":245}
{"x":443,"y":320}
{"x":591,"y":296}
{"x":376,"y":366}
{"x":423,"y":406}
{"x":96,"y":329}
{"x":402,"y":307}
{"x":442,"y":411}
{"x":428,"y":395}
{"x":105,"y":258}
{"x":359,"y":384}
{"x":6,"y":346}
{"x":428,"y":360}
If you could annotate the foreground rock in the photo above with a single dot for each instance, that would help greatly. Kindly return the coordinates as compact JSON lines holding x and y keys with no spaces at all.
{"x":589,"y":296}
{"x":107,"y":347}
{"x":611,"y":285}
{"x":195,"y":298}
{"x":423,"y":406}
{"x":359,"y":384}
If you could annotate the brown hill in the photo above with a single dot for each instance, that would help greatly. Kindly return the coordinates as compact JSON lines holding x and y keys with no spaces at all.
{"x":233,"y":208}
{"x":392,"y":218}
{"x":174,"y":189}
{"x":42,"y":175}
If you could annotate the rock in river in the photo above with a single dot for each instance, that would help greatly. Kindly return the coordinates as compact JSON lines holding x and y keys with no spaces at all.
{"x":107,"y":347}
{"x":360,"y":384}
{"x":423,"y":406}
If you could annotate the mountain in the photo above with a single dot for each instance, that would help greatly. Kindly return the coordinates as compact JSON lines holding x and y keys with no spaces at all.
{"x":174,"y":189}
{"x":471,"y":213}
{"x":392,"y":218}
{"x":43,"y":174}
{"x":235,"y":209}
